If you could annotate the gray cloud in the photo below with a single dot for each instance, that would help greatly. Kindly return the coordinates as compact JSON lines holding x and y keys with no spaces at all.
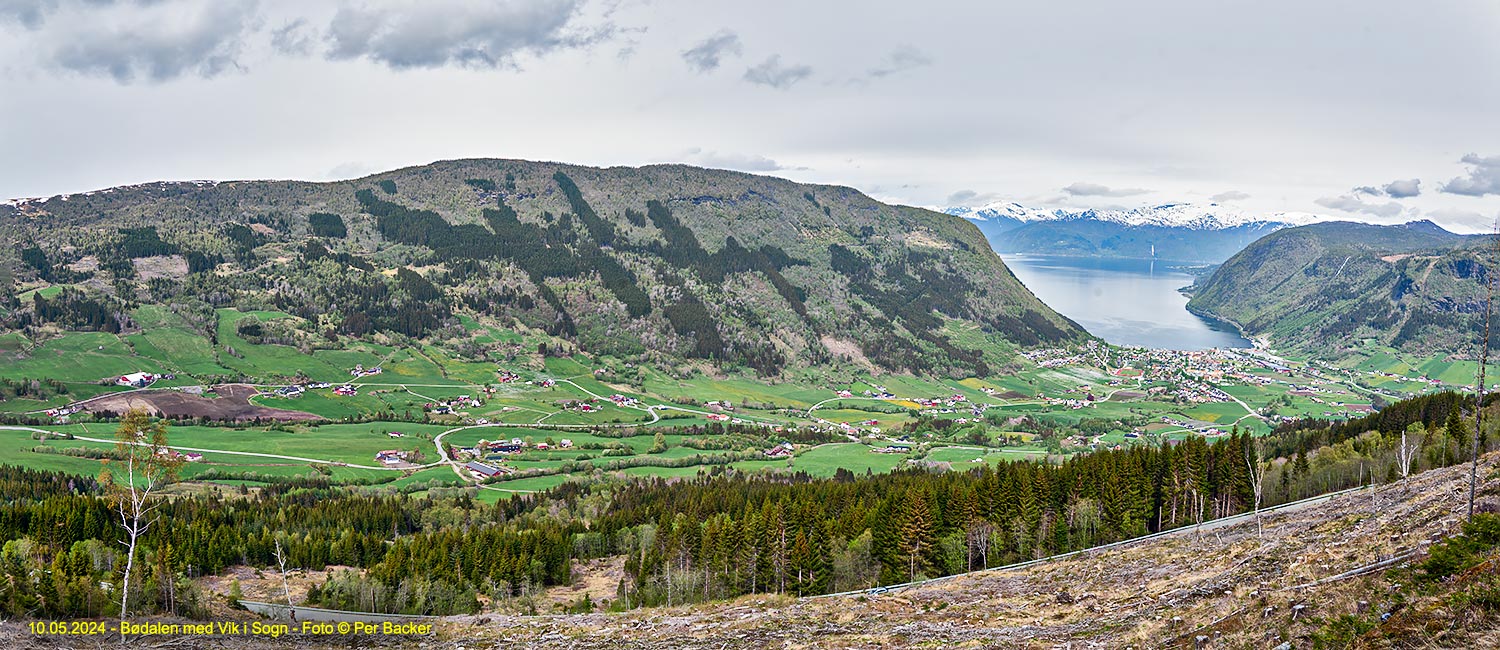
{"x":901,"y":59}
{"x":971,"y":198}
{"x":962,"y":196}
{"x":295,"y":38}
{"x":1095,"y":189}
{"x":203,"y":40}
{"x":740,"y":162}
{"x":29,"y":13}
{"x":772,"y":73}
{"x":1397,"y":189}
{"x":1402,"y":189}
{"x":1351,"y":203}
{"x":710,"y":52}
{"x":437,"y":33}
{"x":1483,"y":178}
{"x":1232,"y":195}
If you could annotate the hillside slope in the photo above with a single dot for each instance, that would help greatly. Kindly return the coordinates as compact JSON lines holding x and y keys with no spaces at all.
{"x":1342,"y":572}
{"x":1224,"y":584}
{"x":1333,"y":286}
{"x":666,"y":263}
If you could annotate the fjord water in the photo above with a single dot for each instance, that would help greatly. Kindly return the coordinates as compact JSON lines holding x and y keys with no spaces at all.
{"x":1123,"y":301}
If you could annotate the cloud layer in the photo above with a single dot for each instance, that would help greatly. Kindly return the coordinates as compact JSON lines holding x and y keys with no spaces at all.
{"x":1094,"y":189}
{"x":1483,"y":178}
{"x":436,"y":33}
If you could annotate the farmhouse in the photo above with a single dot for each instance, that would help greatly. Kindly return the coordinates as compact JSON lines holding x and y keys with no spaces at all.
{"x":136,"y":379}
{"x":512,"y":447}
{"x":481,"y":469}
{"x":783,"y":450}
{"x":391,"y":457}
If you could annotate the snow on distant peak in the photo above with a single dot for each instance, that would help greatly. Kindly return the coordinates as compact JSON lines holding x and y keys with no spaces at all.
{"x":1193,"y":216}
{"x":1003,"y":210}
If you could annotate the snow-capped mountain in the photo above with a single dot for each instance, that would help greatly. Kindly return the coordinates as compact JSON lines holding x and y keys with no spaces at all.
{"x":1192,"y":216}
{"x":1176,"y":231}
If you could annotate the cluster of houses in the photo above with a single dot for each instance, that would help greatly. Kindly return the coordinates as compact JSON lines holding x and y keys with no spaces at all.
{"x":506,"y":376}
{"x":892,"y":449}
{"x":289,"y":391}
{"x":1053,"y":357}
{"x":1196,"y":427}
{"x":361,"y":371}
{"x":345,"y":390}
{"x":621,"y":400}
{"x":173,"y":454}
{"x":582,"y":406}
{"x":717,"y":417}
{"x":783,"y":450}
{"x":446,"y":406}
{"x":1200,"y":393}
{"x":62,"y":412}
{"x":502,"y":448}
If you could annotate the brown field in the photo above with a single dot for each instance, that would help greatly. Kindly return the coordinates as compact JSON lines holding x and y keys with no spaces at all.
{"x":232,"y":403}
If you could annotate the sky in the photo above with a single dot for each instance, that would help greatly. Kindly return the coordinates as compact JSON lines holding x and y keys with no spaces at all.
{"x":1373,"y":110}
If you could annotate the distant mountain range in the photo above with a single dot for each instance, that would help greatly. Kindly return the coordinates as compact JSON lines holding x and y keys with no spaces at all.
{"x":1331,"y":287}
{"x":1184,"y":232}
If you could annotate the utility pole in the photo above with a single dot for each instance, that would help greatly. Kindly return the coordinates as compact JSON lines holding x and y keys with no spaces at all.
{"x":1484,"y":355}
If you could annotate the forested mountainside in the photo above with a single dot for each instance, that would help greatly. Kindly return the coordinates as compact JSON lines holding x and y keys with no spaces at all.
{"x":666,"y":263}
{"x":1336,"y":286}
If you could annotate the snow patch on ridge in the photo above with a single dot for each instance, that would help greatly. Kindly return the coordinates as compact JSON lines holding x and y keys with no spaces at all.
{"x":1171,"y":215}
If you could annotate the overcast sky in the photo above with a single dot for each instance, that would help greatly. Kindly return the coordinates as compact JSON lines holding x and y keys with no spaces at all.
{"x":1366,"y":109}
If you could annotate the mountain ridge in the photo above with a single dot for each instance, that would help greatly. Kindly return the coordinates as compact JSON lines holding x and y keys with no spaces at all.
{"x":667,"y":261}
{"x":1337,"y":285}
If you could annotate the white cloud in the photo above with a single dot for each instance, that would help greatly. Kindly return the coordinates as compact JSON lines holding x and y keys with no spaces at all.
{"x":739,"y":162}
{"x":1094,"y":189}
{"x":1232,"y":195}
{"x":1352,"y":204}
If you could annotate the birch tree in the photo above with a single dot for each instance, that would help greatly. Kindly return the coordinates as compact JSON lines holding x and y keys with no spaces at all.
{"x":1407,"y":452}
{"x":1257,"y":480}
{"x":145,"y":465}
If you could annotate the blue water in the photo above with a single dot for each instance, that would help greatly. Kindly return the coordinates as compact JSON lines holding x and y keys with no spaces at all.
{"x":1125,"y":302}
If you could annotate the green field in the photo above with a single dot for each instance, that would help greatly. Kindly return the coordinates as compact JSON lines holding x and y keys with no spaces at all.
{"x":415,"y":378}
